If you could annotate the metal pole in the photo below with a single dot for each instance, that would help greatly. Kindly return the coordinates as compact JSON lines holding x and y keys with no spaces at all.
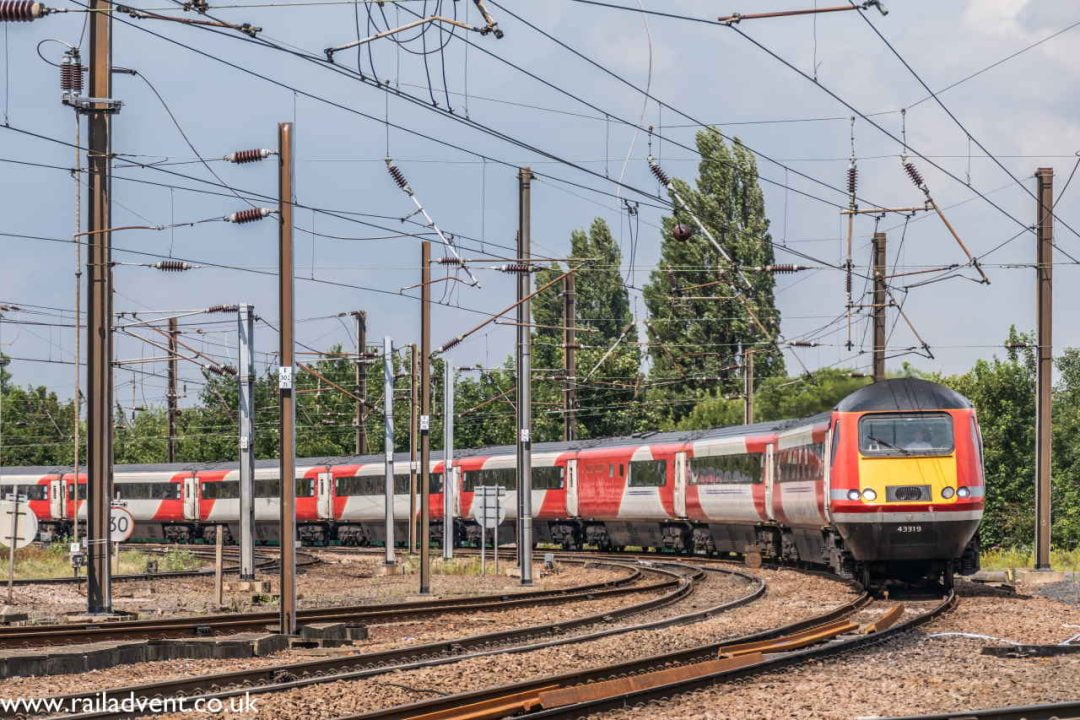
{"x":412,"y":450}
{"x":425,"y":419}
{"x":11,"y":545}
{"x":360,"y":384}
{"x":286,"y":401}
{"x":219,"y":549}
{"x":388,"y":443}
{"x":880,"y":270}
{"x":483,"y":548}
{"x":524,"y":380}
{"x":570,"y":356}
{"x":172,"y":395}
{"x":77,"y":395}
{"x":748,"y":387}
{"x":246,"y":381}
{"x":448,"y":461}
{"x":99,"y":420}
{"x":1044,"y":267}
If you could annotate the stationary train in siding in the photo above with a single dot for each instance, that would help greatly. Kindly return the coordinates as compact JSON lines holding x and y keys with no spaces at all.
{"x":889,"y":483}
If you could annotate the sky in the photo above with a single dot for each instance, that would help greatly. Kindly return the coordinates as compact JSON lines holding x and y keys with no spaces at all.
{"x":577,"y":127}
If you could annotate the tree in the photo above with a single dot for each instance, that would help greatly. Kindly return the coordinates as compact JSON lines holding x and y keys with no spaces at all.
{"x":609,"y":357}
{"x":778,"y":398}
{"x":1003,"y":392}
{"x":701,"y":313}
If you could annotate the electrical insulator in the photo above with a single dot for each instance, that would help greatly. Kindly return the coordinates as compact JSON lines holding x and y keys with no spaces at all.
{"x":451,"y":344}
{"x":222,"y":309}
{"x":399,"y":177}
{"x":172,"y":266}
{"x":249,"y":215}
{"x":852,"y":178}
{"x":682,"y":232}
{"x":784,"y":268}
{"x":915,"y":175}
{"x":659,"y":172}
{"x":450,"y":261}
{"x":241,"y":157}
{"x":515,"y":268}
{"x":21,"y":10}
{"x":802,"y":344}
{"x":229,"y":370}
{"x":71,"y":72}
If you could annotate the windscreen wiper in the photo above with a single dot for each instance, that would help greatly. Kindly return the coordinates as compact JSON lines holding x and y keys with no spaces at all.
{"x":889,"y":445}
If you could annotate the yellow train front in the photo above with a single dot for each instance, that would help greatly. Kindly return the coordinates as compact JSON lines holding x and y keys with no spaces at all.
{"x":906,"y":482}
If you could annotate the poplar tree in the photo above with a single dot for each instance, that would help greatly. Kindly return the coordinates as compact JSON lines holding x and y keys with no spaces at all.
{"x":609,"y":358}
{"x":700,"y":312}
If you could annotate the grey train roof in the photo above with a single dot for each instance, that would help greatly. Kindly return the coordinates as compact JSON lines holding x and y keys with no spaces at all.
{"x":898,"y":394}
{"x":903,"y":394}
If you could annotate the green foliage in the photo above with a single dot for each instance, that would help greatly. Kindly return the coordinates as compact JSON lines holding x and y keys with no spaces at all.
{"x":777,"y":398}
{"x":697,"y":321}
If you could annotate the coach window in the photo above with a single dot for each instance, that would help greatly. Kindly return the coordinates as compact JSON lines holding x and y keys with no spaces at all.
{"x":726,"y":469}
{"x":435,"y":483}
{"x":504,"y":478}
{"x":305,"y":487}
{"x":267,"y":488}
{"x":648,"y":473}
{"x":548,"y":478}
{"x":223,"y":490}
{"x":401,"y":484}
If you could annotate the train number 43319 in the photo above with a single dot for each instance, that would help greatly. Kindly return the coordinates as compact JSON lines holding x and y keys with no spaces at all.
{"x":909,"y":528}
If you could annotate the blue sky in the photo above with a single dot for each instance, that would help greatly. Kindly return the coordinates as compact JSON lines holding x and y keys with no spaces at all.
{"x":1022,"y":111}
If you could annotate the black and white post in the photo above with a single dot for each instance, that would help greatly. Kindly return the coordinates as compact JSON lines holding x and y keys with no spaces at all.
{"x":246,"y":380}
{"x":388,"y":443}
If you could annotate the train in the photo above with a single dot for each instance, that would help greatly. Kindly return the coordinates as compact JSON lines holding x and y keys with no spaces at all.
{"x":889,"y":483}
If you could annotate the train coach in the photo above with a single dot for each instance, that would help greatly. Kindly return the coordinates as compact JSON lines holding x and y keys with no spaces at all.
{"x":887,"y":484}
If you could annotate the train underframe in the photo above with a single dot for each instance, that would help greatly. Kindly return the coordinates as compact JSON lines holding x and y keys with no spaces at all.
{"x":761,"y":543}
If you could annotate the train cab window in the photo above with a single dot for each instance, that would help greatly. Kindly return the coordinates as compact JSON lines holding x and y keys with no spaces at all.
{"x":648,"y":473}
{"x":727,"y":469}
{"x":548,"y":478}
{"x":894,"y":434}
{"x":222,"y":490}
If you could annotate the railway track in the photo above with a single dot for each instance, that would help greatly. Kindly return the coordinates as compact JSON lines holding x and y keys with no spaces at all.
{"x":1049,"y":711}
{"x":295,"y":675}
{"x":578,"y":694}
{"x":203,"y":625}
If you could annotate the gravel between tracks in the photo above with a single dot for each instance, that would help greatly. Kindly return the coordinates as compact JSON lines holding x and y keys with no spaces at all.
{"x":913,"y":674}
{"x":340,"y":579}
{"x":382,"y":637}
{"x":791,"y":597}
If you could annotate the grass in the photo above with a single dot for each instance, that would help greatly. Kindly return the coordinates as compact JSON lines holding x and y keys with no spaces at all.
{"x":48,"y":561}
{"x":1003,"y":559}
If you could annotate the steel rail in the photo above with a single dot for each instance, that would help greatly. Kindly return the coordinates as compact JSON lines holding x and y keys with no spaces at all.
{"x":699,"y":654}
{"x":295,"y":675}
{"x":1049,"y":711}
{"x":71,"y":633}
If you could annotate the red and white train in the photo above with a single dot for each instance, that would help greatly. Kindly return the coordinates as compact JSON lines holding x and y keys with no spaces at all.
{"x":889,"y":482}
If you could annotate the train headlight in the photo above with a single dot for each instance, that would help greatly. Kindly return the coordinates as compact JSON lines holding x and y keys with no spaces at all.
{"x":869,"y":495}
{"x":947,"y":492}
{"x":963,"y":492}
{"x":852,"y":494}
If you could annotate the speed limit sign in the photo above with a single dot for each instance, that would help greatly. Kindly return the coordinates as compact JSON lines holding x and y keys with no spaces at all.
{"x":121,"y":524}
